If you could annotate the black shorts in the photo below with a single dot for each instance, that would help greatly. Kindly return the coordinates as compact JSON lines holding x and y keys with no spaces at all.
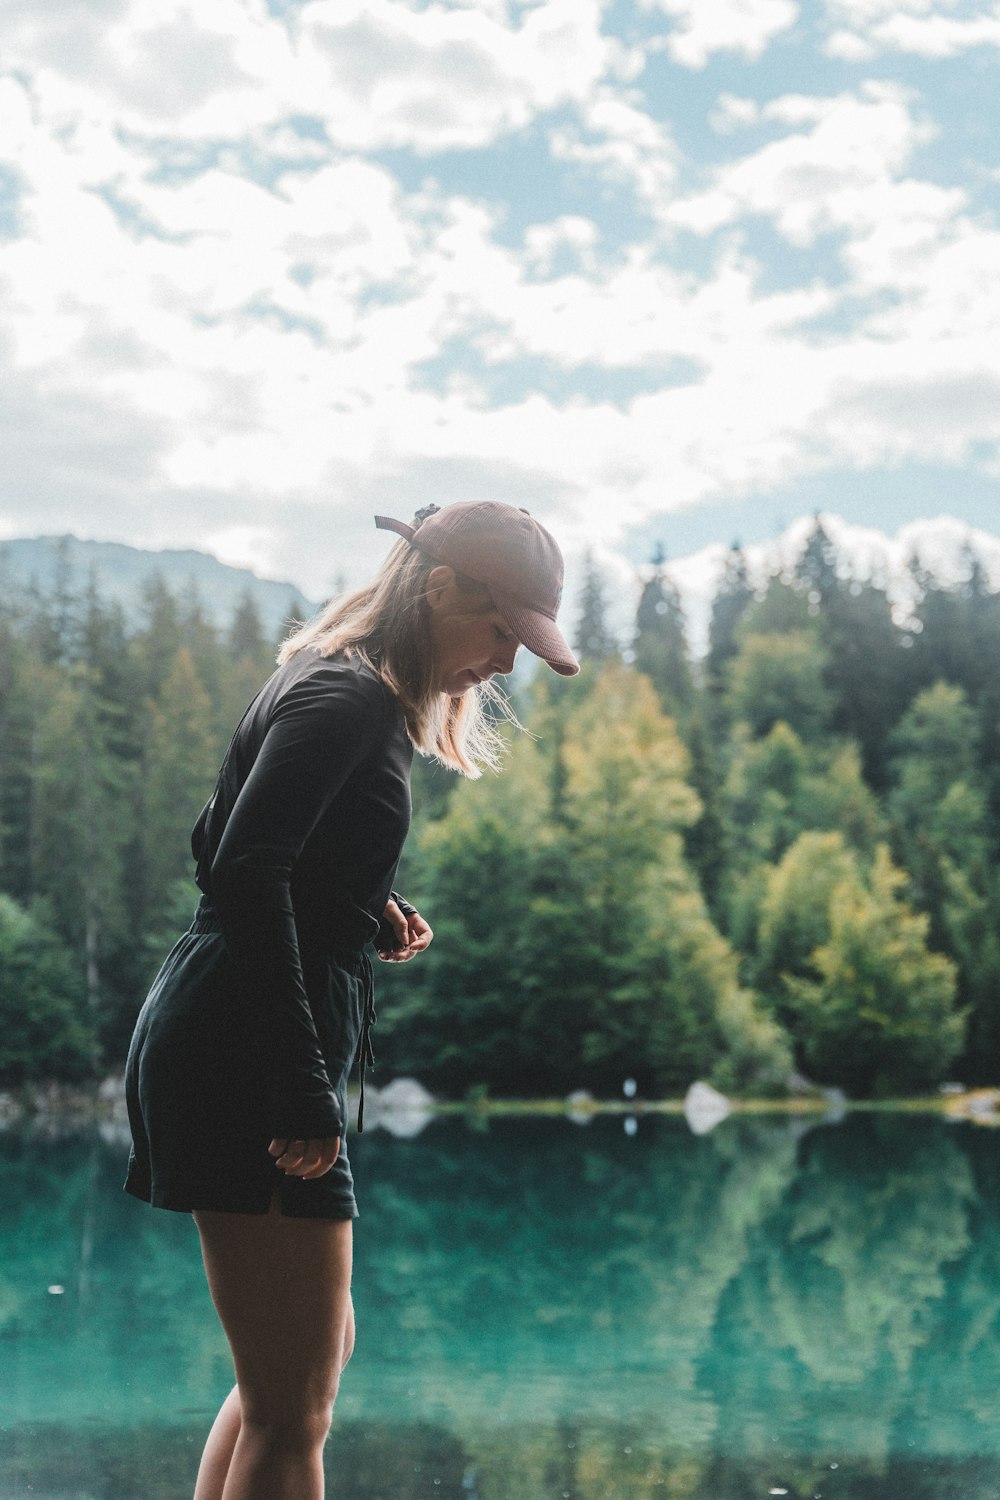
{"x":197,"y":1089}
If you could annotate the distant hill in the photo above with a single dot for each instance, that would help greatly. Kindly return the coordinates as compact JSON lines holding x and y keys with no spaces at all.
{"x":121,"y":571}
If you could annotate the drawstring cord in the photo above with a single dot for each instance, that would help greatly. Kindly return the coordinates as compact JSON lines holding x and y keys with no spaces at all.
{"x":366,"y":1056}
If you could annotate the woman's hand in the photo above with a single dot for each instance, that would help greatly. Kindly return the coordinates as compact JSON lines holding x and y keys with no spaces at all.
{"x":412,"y":935}
{"x":306,"y":1158}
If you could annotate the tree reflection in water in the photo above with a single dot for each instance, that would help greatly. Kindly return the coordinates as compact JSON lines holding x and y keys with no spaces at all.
{"x":549,"y":1312}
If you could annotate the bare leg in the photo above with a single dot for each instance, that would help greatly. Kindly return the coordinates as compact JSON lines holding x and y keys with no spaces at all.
{"x":281,"y":1287}
{"x":218,"y":1454}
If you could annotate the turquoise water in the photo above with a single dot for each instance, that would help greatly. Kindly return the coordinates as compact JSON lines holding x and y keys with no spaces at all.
{"x":548,"y":1312}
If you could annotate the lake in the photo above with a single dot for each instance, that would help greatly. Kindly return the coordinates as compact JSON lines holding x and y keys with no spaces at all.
{"x":547,"y":1311}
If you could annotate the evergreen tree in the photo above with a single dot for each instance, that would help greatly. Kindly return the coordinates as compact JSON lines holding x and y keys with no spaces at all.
{"x":778,"y":679}
{"x":777,"y":790}
{"x":816,"y":570}
{"x":705,"y":840}
{"x":594,"y":640}
{"x":79,"y":827}
{"x":246,"y":640}
{"x":23,"y":682}
{"x":865,"y":670}
{"x":158,"y":638}
{"x":732,"y":600}
{"x":105,"y":653}
{"x":201,"y":639}
{"x":944,"y":834}
{"x":938,"y":802}
{"x":44,"y":1029}
{"x":660,"y":648}
{"x":179,"y":768}
{"x":53,"y":615}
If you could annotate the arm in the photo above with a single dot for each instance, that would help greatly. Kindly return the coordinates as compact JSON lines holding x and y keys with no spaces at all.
{"x":320,"y":732}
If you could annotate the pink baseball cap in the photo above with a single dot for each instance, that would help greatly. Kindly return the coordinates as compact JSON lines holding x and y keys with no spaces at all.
{"x":508,"y":550}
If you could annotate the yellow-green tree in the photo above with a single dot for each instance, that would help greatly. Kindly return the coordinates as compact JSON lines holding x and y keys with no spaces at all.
{"x":878,"y":1016}
{"x":779,"y":678}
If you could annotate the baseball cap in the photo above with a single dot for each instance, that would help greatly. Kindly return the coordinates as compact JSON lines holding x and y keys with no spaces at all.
{"x":512,"y":554}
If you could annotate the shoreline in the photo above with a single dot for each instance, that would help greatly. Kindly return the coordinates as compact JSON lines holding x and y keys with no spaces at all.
{"x":104,"y":1103}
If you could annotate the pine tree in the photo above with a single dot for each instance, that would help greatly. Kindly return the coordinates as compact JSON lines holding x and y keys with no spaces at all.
{"x":816,"y":570}
{"x":732,"y":600}
{"x":158,"y":638}
{"x":179,"y":767}
{"x":660,"y":648}
{"x":23,"y":682}
{"x":80,"y":826}
{"x":594,"y":640}
{"x":245,"y":639}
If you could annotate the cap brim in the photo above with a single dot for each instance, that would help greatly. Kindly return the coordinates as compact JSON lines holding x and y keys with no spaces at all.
{"x":540,"y":635}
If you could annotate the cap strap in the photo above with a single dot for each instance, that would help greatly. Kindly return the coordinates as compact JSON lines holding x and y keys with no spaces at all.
{"x":386,"y":523}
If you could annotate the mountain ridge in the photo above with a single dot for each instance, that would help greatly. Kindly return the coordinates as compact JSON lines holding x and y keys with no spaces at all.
{"x":122,"y":570}
{"x":942,"y":546}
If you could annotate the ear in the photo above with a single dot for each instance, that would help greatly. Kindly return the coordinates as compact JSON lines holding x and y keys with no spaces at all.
{"x":439,"y":581}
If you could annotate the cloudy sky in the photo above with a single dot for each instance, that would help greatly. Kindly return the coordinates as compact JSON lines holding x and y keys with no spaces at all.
{"x":671,"y":270}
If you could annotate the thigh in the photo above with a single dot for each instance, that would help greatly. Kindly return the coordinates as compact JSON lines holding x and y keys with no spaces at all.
{"x":282,"y":1289}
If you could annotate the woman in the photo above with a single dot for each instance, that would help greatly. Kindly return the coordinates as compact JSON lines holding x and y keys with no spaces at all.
{"x":238,"y":1069}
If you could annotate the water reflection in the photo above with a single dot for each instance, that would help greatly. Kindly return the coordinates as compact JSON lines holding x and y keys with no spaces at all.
{"x":548,"y":1312}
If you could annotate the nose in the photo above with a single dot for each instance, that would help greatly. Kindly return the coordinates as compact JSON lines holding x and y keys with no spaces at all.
{"x":503,"y":658}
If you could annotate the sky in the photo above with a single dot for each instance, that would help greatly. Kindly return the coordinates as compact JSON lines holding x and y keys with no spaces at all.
{"x":661,"y":271}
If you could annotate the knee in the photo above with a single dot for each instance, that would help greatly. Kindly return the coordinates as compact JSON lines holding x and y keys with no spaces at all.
{"x":294,"y":1429}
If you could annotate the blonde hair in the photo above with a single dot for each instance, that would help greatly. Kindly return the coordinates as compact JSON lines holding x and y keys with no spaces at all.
{"x":386,"y":625}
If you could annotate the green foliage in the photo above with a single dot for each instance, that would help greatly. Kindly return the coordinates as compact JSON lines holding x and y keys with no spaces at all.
{"x":179,"y":765}
{"x":733,"y":598}
{"x":676,"y":875}
{"x":778,"y":678}
{"x":796,"y":910}
{"x":879,"y":1016}
{"x":44,"y":1031}
{"x":581,"y":949}
{"x":660,"y":649}
{"x":777,"y":789}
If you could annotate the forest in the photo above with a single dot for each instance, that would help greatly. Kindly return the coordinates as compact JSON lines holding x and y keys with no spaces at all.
{"x":775,"y":860}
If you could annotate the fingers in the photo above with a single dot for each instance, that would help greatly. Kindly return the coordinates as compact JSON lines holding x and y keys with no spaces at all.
{"x":420,"y":933}
{"x":414,"y":940}
{"x":394,"y":916}
{"x":305,"y":1159}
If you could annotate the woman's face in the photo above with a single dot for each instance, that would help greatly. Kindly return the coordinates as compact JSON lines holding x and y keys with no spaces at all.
{"x":471,"y":640}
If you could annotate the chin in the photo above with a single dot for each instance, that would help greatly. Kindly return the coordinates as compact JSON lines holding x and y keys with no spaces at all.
{"x":462,"y":684}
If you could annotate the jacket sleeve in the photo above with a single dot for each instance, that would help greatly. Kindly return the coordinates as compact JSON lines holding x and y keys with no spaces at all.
{"x":322,"y":729}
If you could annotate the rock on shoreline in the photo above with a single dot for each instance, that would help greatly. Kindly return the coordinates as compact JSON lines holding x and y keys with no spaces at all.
{"x":65,"y":1103}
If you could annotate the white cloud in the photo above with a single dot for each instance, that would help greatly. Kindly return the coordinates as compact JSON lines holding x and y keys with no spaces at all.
{"x":377,"y":73}
{"x":705,"y":27}
{"x":197,"y":346}
{"x":923,"y":28}
{"x":836,"y":174}
{"x":621,"y":143}
{"x":732,"y":113}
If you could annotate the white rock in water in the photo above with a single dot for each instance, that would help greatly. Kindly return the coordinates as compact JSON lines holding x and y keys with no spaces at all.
{"x":403,"y":1107}
{"x":704,"y":1108}
{"x":580,"y":1106}
{"x":404,"y":1094}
